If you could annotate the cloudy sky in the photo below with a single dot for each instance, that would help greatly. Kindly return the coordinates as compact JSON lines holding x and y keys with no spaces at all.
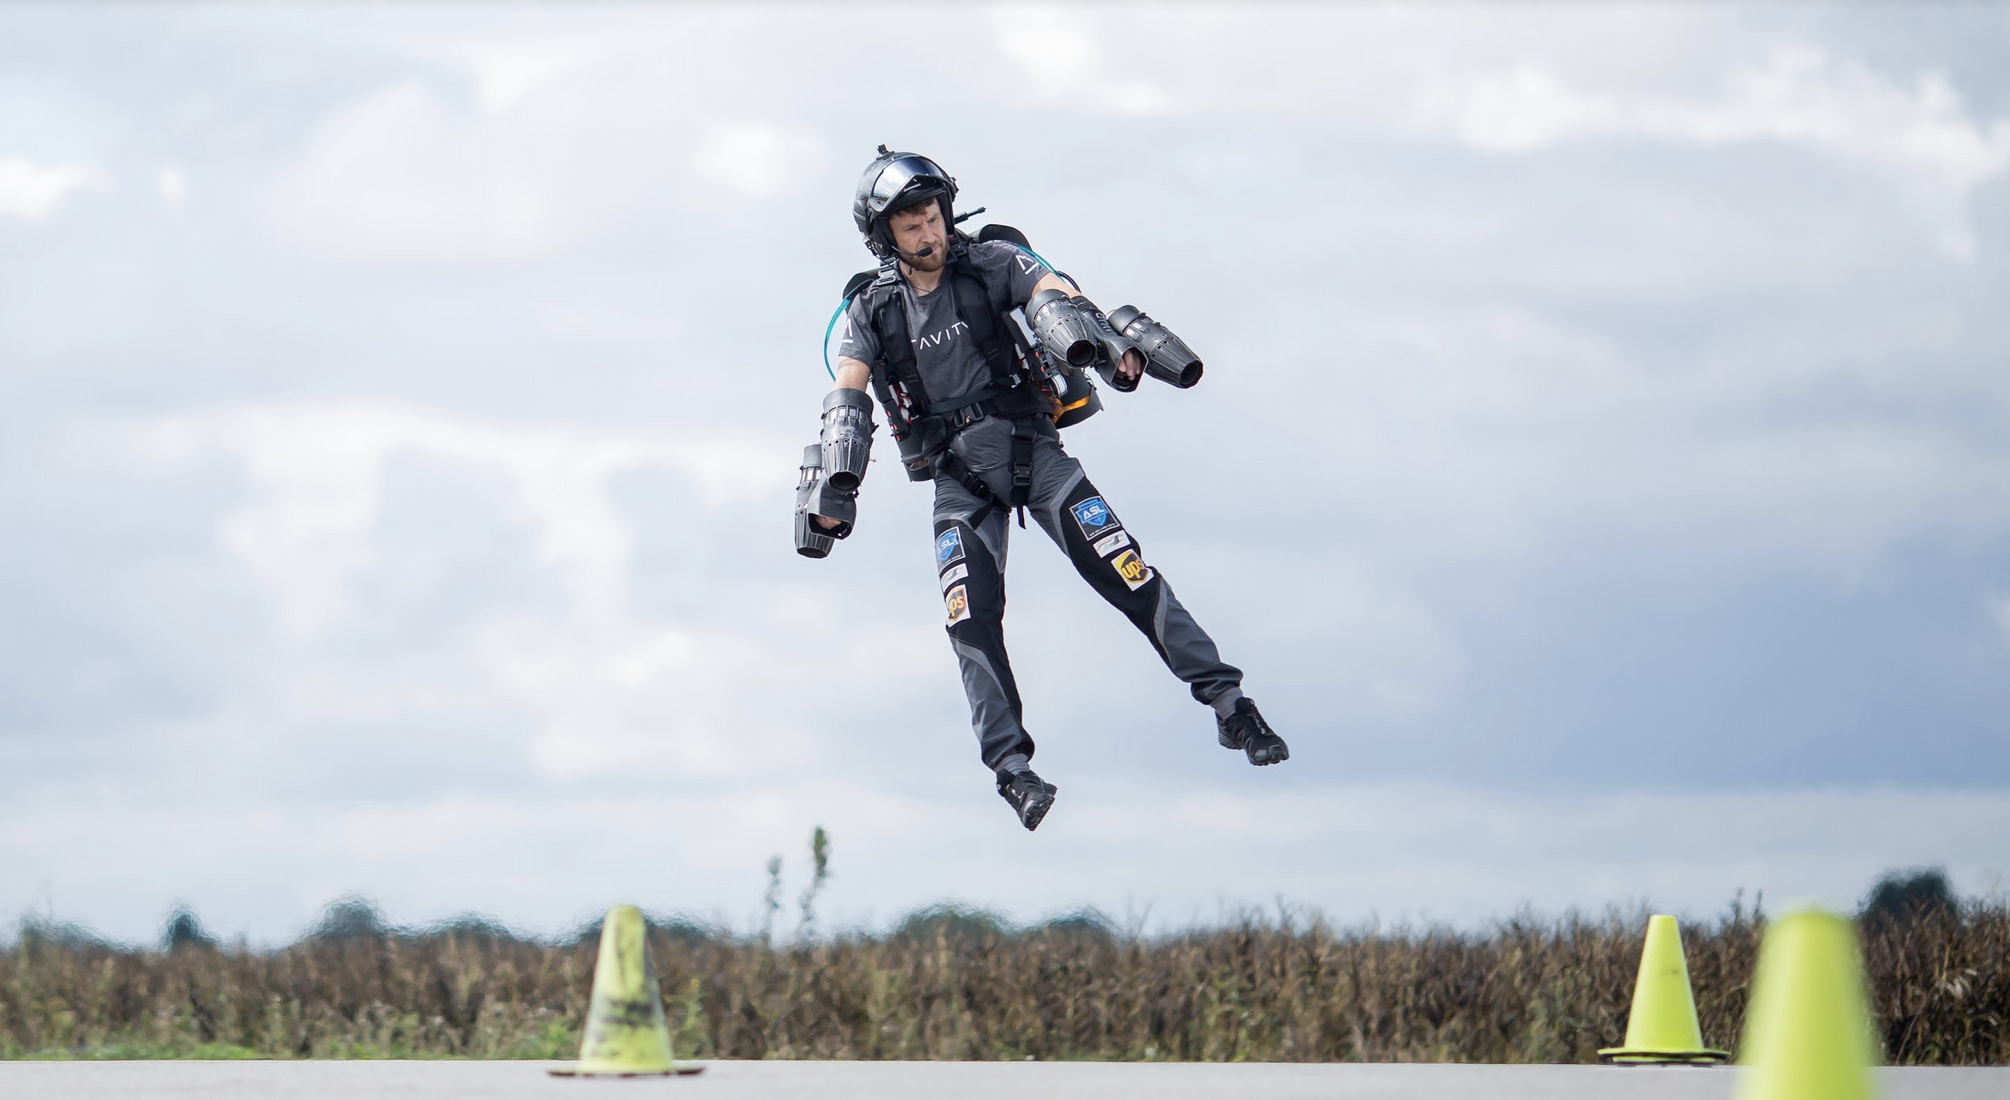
{"x":1602,"y":470}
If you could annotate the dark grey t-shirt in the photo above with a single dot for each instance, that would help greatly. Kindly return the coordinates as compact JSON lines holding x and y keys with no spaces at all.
{"x":944,"y":353}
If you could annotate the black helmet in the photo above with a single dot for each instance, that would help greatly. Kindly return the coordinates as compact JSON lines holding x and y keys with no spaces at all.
{"x":896,"y":181}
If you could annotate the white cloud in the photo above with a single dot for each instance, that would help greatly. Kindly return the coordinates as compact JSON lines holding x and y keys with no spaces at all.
{"x":1528,"y":109}
{"x":607,"y":688}
{"x":31,"y":191}
{"x":1512,"y":433}
{"x":506,"y":72}
{"x":317,"y":473}
{"x":1397,"y":852}
{"x":1919,"y":136}
{"x":399,"y":176}
{"x":171,"y":184}
{"x":758,"y":161}
{"x":562,"y":144}
{"x":1446,"y":401}
{"x":1058,"y":51}
{"x":410,"y":175}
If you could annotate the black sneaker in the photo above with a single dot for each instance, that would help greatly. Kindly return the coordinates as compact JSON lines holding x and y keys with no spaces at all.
{"x":1246,"y":730}
{"x":1031,"y":797}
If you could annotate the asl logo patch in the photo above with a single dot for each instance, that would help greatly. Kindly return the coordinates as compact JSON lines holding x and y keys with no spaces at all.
{"x":1133,"y":569}
{"x":955,"y":573}
{"x":958,"y":602}
{"x":1111,"y":543}
{"x":948,"y":547}
{"x":1094,"y":518}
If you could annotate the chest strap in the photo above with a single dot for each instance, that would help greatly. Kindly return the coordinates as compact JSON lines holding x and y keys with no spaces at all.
{"x":981,"y":305}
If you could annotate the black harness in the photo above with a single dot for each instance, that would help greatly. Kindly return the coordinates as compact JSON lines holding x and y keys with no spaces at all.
{"x":923,"y":428}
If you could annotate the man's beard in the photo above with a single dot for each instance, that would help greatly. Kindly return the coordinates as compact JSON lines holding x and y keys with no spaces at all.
{"x":934,"y":261}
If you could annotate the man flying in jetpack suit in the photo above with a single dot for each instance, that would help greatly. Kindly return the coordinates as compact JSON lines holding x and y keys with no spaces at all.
{"x":974,"y":397}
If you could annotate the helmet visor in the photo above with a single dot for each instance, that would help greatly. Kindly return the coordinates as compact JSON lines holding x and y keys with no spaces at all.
{"x":915,"y":177}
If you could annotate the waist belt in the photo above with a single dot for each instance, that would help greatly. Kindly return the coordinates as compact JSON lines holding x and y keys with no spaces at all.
{"x":978,"y":405}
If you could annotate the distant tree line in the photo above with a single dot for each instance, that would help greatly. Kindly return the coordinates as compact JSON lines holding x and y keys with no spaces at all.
{"x":960,"y":983}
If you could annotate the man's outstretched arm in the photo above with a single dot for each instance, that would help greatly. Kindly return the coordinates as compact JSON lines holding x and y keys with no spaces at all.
{"x":851,"y":375}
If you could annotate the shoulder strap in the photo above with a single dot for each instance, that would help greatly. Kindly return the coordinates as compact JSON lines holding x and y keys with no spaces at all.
{"x":896,"y":351}
{"x":859,"y":282}
{"x":985,"y":304}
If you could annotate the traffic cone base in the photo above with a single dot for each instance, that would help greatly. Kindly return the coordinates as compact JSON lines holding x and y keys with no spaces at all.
{"x":1661,"y":1028}
{"x":625,"y":1032}
{"x":1627,"y":1056}
{"x":570,"y":1069}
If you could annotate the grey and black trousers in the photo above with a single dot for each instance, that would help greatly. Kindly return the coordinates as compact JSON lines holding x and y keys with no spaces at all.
{"x":970,"y":566}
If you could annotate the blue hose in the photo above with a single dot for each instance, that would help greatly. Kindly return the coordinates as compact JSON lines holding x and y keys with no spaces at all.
{"x":828,"y":329}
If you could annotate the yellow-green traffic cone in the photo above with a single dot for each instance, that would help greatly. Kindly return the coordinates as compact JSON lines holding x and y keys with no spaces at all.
{"x":1807,"y":1027}
{"x":1662,"y":1027}
{"x":625,"y":1032}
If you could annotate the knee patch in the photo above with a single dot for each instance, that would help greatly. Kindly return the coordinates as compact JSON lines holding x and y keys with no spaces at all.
{"x":1104,"y":551}
{"x":971,"y":585}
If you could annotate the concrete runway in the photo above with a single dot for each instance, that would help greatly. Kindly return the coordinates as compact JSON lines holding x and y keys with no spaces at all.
{"x":926,"y":1081}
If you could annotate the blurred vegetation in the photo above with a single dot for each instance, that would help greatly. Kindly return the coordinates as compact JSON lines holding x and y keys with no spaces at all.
{"x":959,"y":983}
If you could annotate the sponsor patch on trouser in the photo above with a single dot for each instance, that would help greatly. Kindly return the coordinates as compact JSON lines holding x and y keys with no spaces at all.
{"x":948,"y":547}
{"x":953,"y":574}
{"x":1111,"y":543}
{"x":1094,"y":518}
{"x":1133,"y":569}
{"x":957,"y":601}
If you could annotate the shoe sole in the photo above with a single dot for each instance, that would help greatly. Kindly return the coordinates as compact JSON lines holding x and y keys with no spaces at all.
{"x":1036,"y":810}
{"x":1276,"y":755}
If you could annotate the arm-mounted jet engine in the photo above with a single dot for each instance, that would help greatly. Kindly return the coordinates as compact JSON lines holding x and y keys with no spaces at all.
{"x":1167,"y":358}
{"x":1075,"y":331}
{"x":812,"y":541}
{"x":832,"y":470}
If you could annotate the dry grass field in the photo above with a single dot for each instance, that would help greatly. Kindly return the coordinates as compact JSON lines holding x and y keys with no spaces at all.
{"x":956,"y":985}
